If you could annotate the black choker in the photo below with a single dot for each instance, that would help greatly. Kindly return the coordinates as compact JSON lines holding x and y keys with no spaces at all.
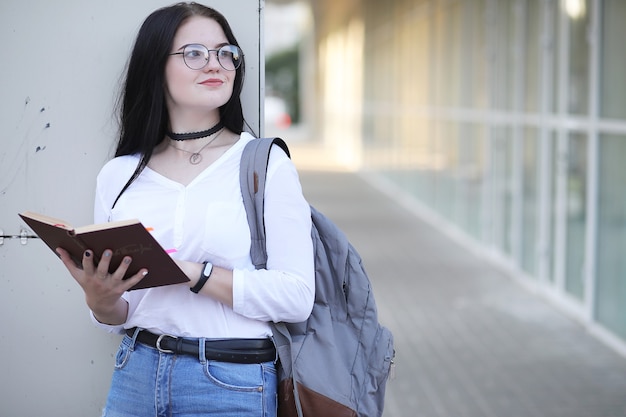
{"x":195,"y":135}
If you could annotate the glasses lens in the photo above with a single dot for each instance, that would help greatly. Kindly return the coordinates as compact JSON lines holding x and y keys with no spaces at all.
{"x":229,"y":57}
{"x":196,"y":56}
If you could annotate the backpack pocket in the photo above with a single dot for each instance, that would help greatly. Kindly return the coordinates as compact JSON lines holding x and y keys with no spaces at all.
{"x":373,"y":390}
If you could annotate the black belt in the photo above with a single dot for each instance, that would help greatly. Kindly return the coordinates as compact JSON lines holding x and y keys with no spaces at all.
{"x":229,"y":350}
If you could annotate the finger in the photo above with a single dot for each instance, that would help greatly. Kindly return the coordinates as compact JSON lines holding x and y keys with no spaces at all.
{"x":88,"y":262}
{"x":134,"y":279}
{"x":72,"y":266}
{"x":120,"y":272}
{"x":104,"y":264}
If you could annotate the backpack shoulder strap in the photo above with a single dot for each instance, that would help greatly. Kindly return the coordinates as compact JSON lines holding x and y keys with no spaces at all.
{"x":252,"y":173}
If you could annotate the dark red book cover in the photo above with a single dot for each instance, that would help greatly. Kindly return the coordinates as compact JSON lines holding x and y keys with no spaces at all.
{"x":124,"y":238}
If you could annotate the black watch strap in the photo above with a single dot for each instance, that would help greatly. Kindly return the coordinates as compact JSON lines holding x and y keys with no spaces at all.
{"x":204,"y":277}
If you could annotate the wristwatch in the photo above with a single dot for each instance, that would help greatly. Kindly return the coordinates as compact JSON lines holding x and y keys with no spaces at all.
{"x":204,"y":277}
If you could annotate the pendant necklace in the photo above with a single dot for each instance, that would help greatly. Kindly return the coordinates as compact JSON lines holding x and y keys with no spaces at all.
{"x":195,"y":158}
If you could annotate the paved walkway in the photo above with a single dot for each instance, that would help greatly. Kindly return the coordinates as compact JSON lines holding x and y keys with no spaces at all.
{"x":470,"y":341}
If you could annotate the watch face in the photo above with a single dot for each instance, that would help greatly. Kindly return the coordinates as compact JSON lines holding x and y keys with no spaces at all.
{"x":207,"y":268}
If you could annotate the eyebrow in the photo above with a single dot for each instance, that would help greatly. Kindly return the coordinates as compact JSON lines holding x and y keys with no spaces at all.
{"x":219,"y":45}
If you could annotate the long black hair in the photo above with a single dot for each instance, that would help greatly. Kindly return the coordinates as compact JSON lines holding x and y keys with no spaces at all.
{"x":143,"y":115}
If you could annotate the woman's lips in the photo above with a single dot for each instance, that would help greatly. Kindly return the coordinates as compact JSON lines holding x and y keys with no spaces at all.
{"x":212,"y":82}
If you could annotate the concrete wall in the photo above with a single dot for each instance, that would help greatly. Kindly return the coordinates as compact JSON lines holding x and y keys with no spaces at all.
{"x":61,"y":66}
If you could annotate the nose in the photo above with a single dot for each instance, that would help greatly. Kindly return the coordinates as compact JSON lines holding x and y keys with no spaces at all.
{"x":213,"y":63}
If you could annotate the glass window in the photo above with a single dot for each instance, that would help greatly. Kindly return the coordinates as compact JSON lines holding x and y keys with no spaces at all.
{"x":501,"y":55}
{"x":529,"y":204}
{"x":445,"y":182}
{"x":477,"y":44}
{"x":472,"y":175}
{"x":507,"y":51}
{"x":553,"y":183}
{"x":611,"y":262}
{"x":532,"y":52}
{"x":453,"y":62}
{"x":578,"y":66}
{"x":576,"y":214}
{"x":502,"y":197}
{"x":613,"y":60}
{"x":555,"y":48}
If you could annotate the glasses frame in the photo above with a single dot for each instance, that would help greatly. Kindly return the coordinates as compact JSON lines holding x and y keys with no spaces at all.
{"x":208,"y":56}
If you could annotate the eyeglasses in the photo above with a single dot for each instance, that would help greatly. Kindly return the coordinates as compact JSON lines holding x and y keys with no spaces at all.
{"x":196,"y":56}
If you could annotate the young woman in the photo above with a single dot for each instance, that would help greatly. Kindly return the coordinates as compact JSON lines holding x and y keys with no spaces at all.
{"x":202,"y":348}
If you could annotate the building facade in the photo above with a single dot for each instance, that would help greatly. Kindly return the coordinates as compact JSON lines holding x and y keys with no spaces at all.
{"x":505,"y":118}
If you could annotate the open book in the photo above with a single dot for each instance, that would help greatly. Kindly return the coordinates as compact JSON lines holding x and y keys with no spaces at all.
{"x":124,"y":238}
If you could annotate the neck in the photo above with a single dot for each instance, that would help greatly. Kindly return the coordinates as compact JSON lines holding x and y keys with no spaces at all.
{"x":191,"y":119}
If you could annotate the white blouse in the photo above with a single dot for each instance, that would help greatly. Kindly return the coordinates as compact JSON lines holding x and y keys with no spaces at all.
{"x":206,"y":221}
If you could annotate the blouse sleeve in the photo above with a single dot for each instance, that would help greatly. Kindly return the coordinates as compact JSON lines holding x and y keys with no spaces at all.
{"x":285,"y":290}
{"x":109,"y":174}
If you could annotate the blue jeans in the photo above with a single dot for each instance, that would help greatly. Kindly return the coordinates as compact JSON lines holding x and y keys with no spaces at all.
{"x":149,"y":383}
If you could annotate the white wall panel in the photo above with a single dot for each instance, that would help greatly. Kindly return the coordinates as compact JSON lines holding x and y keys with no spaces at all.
{"x":60,"y":70}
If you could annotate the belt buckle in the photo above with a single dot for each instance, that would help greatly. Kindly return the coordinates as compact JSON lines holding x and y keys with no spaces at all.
{"x":158,"y":343}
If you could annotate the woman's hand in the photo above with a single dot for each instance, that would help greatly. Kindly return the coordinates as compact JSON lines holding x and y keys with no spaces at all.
{"x":103,"y":291}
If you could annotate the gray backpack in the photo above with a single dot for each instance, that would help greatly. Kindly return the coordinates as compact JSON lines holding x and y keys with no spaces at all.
{"x":337,"y":362}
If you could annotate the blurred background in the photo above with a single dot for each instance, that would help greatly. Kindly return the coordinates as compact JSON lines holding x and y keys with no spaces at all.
{"x":505,"y":120}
